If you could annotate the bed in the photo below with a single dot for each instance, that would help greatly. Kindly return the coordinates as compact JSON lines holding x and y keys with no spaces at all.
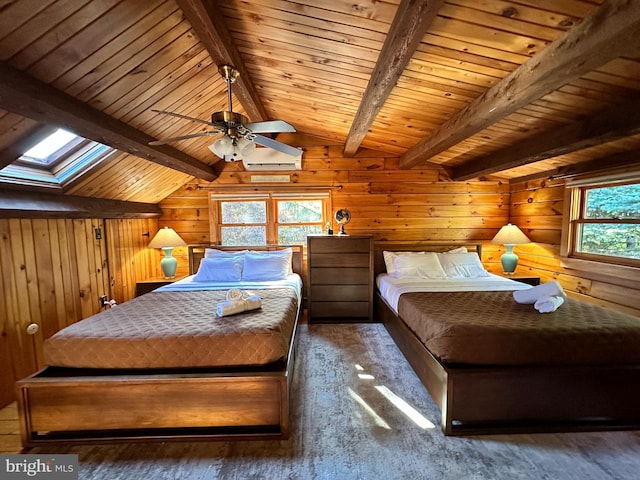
{"x":493,"y":365}
{"x":165,"y":365}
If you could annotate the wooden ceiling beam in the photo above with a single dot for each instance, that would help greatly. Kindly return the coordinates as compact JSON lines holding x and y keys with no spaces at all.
{"x":27,"y":96}
{"x":20,"y":146}
{"x":611,"y":31}
{"x":611,"y":124}
{"x":409,"y":26}
{"x":207,"y":21}
{"x":608,"y":163}
{"x":46,"y":205}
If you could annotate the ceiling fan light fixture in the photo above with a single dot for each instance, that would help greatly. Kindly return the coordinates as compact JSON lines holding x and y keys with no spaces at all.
{"x":222,"y":146}
{"x":245,"y":147}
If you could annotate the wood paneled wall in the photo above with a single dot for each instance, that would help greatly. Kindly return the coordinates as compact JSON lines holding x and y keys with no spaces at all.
{"x":537,"y":207}
{"x":422,"y":204}
{"x":53,"y":272}
{"x":389,"y":203}
{"x":129,"y":258}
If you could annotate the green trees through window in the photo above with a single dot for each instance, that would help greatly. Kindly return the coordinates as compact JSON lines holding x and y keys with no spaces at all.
{"x":609,"y":223}
{"x":270,"y":220}
{"x":297,"y":219}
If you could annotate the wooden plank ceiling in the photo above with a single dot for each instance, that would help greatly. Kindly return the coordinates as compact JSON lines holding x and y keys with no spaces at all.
{"x":506,"y":89}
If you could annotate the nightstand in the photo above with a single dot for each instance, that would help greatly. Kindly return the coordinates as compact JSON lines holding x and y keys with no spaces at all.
{"x":528,"y":279}
{"x":145,"y":286}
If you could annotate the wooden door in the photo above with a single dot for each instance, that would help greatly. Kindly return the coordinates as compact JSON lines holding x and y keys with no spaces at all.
{"x":53,"y":274}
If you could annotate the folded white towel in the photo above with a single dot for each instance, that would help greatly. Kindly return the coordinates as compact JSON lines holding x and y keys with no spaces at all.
{"x":548,"y":304}
{"x":235,"y":294}
{"x":238,"y":306}
{"x":531,"y":295}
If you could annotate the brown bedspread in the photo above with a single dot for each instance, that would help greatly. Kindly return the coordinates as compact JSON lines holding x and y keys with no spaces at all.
{"x":490,"y":328}
{"x":178,"y":329}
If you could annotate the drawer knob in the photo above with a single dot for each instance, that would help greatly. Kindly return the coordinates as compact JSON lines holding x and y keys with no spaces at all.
{"x":33,"y":328}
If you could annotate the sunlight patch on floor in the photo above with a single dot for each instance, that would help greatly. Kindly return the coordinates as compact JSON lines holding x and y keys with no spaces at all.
{"x":405,"y":408}
{"x":376,"y":418}
{"x":398,"y":402}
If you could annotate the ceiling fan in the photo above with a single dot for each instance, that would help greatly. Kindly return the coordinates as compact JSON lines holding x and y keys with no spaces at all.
{"x":239,"y":137}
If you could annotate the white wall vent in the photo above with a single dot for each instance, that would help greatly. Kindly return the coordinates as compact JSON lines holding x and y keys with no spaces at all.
{"x":267,"y":159}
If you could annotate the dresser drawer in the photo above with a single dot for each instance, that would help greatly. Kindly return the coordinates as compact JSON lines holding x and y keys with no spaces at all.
{"x":329,"y":293}
{"x":341,"y":260}
{"x":337,"y":244}
{"x":339,"y":276}
{"x":339,"y":309}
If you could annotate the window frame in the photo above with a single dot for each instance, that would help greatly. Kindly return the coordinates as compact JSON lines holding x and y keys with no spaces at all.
{"x":593,"y":264}
{"x":61,"y":168}
{"x":264,"y":224}
{"x":272,"y":199}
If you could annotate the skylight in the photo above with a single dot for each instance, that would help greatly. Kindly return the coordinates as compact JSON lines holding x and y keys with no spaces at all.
{"x":52,"y":148}
{"x":45,"y":150}
{"x":56,"y":160}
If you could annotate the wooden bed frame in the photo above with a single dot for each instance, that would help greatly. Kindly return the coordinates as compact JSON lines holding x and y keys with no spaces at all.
{"x":58,"y":405}
{"x":482,"y":400}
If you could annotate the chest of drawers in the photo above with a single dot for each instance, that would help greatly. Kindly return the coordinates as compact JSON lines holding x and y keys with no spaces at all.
{"x":340,"y":278}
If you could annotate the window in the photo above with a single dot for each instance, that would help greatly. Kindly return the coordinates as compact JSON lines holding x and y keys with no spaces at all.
{"x":243,"y":222}
{"x":297,"y":218}
{"x":50,"y":150}
{"x":55,"y":161}
{"x":605,"y":223}
{"x":259,"y":219}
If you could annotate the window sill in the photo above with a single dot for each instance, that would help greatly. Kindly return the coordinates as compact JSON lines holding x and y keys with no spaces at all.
{"x":597,"y":269}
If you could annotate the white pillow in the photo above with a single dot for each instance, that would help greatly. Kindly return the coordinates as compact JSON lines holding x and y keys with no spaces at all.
{"x":219,"y":269}
{"x":390,"y":259}
{"x":458,"y":250}
{"x":287,"y":253}
{"x":213,"y":252}
{"x":424,"y":265}
{"x":266,"y":266}
{"x":462,"y":265}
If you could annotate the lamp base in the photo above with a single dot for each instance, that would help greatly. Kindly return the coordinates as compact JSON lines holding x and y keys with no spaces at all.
{"x":509,"y":261}
{"x":168,"y":263}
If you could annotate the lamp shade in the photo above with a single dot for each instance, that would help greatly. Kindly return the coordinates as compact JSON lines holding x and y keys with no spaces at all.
{"x":510,"y":235}
{"x":167,"y":239}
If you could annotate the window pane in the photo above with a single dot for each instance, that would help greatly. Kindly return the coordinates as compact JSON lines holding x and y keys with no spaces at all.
{"x":45,"y":151}
{"x":299,"y":211}
{"x":617,"y":240}
{"x":244,"y":235}
{"x":297,"y":234}
{"x":621,"y":201}
{"x":244,"y":212}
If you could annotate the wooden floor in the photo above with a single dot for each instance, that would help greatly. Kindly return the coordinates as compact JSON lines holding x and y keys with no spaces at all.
{"x":9,"y":430}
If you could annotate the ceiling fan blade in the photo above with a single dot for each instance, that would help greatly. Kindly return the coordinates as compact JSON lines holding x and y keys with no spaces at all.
{"x":185,"y":117}
{"x":270,"y":126}
{"x":183,"y":137}
{"x":279,"y":146}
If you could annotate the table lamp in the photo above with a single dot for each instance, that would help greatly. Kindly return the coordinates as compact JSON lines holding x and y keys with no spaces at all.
{"x":167,"y":239}
{"x":509,"y":236}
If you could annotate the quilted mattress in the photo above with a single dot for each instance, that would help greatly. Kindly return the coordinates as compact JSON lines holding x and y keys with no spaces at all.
{"x":176,"y":330}
{"x":490,"y":328}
